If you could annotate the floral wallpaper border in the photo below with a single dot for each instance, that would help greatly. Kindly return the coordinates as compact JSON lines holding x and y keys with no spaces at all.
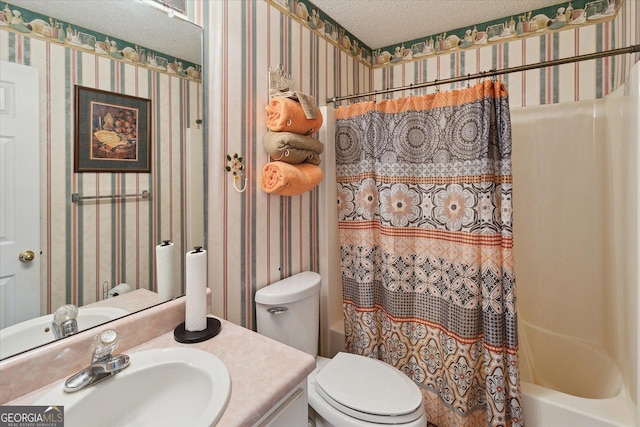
{"x":32,"y":24}
{"x":562,"y":16}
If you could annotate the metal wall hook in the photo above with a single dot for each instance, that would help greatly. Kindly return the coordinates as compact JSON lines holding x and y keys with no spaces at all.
{"x":235,"y":165}
{"x":235,"y":184}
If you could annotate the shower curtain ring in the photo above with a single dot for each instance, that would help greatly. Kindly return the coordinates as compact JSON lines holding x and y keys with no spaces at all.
{"x":435,"y":82}
{"x":468,"y":80}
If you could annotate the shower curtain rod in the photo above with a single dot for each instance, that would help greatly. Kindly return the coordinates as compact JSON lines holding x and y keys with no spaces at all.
{"x":492,"y":73}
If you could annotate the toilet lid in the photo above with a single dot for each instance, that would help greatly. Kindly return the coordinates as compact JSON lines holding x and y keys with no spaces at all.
{"x":366,"y":386}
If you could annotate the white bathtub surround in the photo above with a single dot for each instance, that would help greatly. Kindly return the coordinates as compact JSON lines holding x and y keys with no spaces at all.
{"x":576,"y":257}
{"x":568,"y":381}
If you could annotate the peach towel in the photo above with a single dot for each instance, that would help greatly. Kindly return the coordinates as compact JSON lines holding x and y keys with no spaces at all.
{"x":292,"y":148}
{"x":287,"y":115}
{"x":289,"y":180}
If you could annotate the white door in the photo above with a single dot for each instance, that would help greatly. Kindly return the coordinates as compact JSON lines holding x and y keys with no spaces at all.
{"x":19,"y":194}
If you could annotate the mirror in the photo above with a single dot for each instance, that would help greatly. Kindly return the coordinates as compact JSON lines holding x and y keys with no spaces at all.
{"x":89,"y":247}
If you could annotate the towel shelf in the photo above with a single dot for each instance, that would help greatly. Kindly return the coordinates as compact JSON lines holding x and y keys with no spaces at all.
{"x":75,"y":197}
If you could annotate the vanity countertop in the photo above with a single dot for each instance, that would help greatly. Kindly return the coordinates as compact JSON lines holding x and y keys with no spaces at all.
{"x":262,"y":370}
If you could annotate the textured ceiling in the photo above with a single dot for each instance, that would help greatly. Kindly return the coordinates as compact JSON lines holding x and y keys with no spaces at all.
{"x":380,"y":23}
{"x":134,"y":21}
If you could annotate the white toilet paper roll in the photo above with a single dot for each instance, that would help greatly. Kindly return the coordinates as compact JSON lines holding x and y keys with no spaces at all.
{"x":122,"y":288}
{"x":167,"y":279}
{"x":196,"y":290}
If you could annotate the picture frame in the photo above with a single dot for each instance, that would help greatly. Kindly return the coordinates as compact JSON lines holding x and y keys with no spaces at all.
{"x":112,"y":132}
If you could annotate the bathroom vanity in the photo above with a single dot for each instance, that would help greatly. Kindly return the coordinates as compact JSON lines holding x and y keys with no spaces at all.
{"x":268,"y":379}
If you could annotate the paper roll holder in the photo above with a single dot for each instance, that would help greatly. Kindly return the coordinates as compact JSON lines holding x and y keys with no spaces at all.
{"x":181,"y":334}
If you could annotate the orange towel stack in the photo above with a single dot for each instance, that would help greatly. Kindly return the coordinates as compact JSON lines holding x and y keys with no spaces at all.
{"x":296,"y":170}
{"x":287,"y":115}
{"x":290,"y":180}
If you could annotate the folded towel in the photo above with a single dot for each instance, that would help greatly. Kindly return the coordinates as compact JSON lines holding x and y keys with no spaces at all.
{"x":292,"y":148}
{"x":289,"y":180}
{"x":308,"y":104}
{"x":287,"y":115}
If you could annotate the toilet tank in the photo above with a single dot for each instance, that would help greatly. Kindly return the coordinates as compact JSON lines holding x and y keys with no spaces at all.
{"x":288,"y":311}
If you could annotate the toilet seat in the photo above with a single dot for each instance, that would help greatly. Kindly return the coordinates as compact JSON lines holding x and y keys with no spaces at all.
{"x":369,"y":390}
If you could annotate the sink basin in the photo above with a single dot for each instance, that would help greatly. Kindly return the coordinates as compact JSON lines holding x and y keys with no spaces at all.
{"x":32,"y":333}
{"x":162,"y":387}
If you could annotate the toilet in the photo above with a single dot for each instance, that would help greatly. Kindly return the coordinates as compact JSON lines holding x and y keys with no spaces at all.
{"x":347,"y":390}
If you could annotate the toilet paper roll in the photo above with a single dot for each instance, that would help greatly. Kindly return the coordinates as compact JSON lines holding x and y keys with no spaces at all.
{"x":196,"y":290}
{"x":122,"y":288}
{"x":166,"y":276}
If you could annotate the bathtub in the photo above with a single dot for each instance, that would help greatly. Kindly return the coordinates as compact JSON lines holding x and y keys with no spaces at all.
{"x":550,"y":396}
{"x":576,"y":259}
{"x":570,"y":382}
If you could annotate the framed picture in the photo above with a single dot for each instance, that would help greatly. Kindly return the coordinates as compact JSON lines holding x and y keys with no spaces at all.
{"x":112,"y":132}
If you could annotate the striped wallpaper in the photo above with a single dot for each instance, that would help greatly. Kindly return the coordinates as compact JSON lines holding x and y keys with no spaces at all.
{"x":88,"y":247}
{"x":571,"y":82}
{"x":255,"y":238}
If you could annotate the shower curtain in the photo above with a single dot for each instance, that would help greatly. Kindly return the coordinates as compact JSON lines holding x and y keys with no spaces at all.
{"x":425,"y":224}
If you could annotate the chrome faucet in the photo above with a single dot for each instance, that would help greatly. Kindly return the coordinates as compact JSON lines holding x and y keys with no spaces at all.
{"x":65,"y":321}
{"x":103,"y":363}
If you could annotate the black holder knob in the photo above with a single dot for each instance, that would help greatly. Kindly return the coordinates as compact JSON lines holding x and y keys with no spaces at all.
{"x":181,"y":334}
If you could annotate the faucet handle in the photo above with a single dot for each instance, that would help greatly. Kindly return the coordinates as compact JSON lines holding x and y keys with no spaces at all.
{"x":104,"y":344}
{"x":64,"y":321}
{"x":65,"y":312}
{"x":103,"y":363}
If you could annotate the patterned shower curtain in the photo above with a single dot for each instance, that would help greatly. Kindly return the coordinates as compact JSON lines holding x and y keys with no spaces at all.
{"x":425,"y":223}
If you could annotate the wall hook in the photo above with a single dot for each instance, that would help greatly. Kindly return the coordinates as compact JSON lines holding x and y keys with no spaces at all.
{"x":235,"y":165}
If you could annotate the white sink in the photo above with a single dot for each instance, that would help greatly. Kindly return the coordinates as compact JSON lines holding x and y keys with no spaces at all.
{"x":164,"y":387}
{"x":35,"y":332}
